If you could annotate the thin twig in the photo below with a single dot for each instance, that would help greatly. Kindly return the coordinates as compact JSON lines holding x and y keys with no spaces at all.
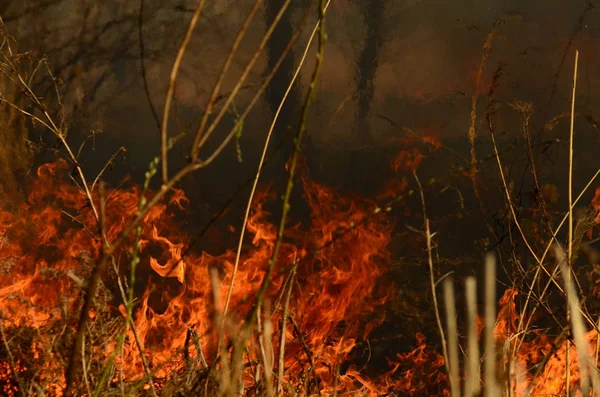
{"x":213,"y":96}
{"x":242,"y":117}
{"x":472,"y":133}
{"x":138,"y":341}
{"x":432,"y":282}
{"x":543,"y":257}
{"x":505,"y":187}
{"x":309,"y":354}
{"x":260,"y":167}
{"x":143,"y":64}
{"x":202,"y":137}
{"x":286,"y":307}
{"x":587,"y":369}
{"x":85,"y":369}
{"x":171,"y":88}
{"x":265,"y":339}
{"x":109,"y":163}
{"x":293,"y":164}
{"x":570,"y":241}
{"x":58,"y":132}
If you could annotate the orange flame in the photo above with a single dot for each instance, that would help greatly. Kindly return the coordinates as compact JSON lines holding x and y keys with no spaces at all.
{"x":48,"y":247}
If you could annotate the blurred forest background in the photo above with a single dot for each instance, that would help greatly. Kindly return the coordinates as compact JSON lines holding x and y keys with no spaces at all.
{"x":393,"y":68}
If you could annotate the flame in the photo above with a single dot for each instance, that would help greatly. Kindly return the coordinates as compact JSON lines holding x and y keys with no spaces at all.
{"x":596,"y":204}
{"x":48,"y":247}
{"x":522,"y":360}
{"x":419,"y":372}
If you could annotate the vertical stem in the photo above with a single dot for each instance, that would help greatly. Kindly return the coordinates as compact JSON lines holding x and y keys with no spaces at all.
{"x":452,"y":337}
{"x":570,"y":242}
{"x":491,"y":389}
{"x":164,"y":138}
{"x":472,"y":367}
{"x":286,"y":308}
{"x":293,"y":163}
{"x":261,"y":164}
{"x":432,"y":282}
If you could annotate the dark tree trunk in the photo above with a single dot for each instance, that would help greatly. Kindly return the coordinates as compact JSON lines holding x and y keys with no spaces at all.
{"x":366,"y":67}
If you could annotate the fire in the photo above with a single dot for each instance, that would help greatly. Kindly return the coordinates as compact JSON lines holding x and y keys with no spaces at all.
{"x":536,"y":365}
{"x":48,"y":246}
{"x":529,"y":366}
{"x":419,"y":372}
{"x":596,"y":204}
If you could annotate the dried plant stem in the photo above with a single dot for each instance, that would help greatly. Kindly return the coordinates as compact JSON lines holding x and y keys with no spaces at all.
{"x":286,"y":308}
{"x":453,"y":368}
{"x":487,"y":46}
{"x":171,"y":89}
{"x":432,"y":282}
{"x":335,"y":381}
{"x":597,"y":343}
{"x":587,"y":368}
{"x":224,"y":374}
{"x":138,"y":342}
{"x":472,"y":133}
{"x":265,"y":339}
{"x":472,"y":381}
{"x":128,"y":299}
{"x":242,"y":117}
{"x":199,"y":349}
{"x":143,"y":65}
{"x":49,"y":123}
{"x":217,"y":87}
{"x":293,"y":164}
{"x":309,"y":356}
{"x":525,"y":110}
{"x":85,"y":369}
{"x":491,"y":388}
{"x":260,"y":166}
{"x":543,"y":258}
{"x":106,"y":165}
{"x":570,"y":241}
{"x":506,"y":190}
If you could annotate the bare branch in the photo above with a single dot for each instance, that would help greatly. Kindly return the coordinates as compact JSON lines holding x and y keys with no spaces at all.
{"x":171,"y":89}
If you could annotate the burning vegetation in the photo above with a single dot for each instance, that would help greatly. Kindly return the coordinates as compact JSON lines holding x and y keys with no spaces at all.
{"x":103,"y":293}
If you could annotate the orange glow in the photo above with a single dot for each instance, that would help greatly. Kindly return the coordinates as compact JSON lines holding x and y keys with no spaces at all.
{"x":48,"y":248}
{"x":596,"y":204}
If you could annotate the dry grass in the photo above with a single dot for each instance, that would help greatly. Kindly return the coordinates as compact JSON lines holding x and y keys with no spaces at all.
{"x":82,"y":370}
{"x":74,"y":361}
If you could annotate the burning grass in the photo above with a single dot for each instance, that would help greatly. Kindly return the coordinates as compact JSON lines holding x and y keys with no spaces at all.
{"x":101,"y":294}
{"x":326,"y":282}
{"x":47,"y":254}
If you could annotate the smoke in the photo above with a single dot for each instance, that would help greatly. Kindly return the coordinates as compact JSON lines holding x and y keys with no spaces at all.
{"x":416,"y":51}
{"x":389,"y":65}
